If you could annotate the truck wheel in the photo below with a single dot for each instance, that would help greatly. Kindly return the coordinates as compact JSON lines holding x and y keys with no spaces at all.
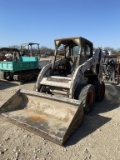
{"x":99,"y":90}
{"x":8,"y":76}
{"x":87,"y":95}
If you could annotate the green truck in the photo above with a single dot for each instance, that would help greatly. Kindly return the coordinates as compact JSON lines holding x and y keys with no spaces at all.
{"x":18,"y":67}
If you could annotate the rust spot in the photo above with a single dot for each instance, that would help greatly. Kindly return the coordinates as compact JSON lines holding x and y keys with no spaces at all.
{"x":38,"y":118}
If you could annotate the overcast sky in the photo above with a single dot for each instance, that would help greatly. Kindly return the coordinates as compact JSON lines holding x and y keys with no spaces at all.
{"x":42,"y":21}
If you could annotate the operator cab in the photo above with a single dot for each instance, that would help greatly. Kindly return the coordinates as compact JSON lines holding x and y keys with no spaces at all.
{"x":69,"y":54}
{"x":30,"y":49}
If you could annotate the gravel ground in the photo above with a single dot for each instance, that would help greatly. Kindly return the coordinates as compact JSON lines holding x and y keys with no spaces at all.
{"x":97,"y":138}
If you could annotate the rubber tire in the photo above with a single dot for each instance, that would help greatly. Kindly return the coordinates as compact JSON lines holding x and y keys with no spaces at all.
{"x":87,"y":96}
{"x":10,"y":78}
{"x":99,"y":91}
{"x":78,"y":90}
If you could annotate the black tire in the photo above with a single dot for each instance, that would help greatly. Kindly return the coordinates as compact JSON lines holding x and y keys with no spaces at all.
{"x":99,"y":90}
{"x":87,"y":96}
{"x":8,"y":76}
{"x":78,"y":90}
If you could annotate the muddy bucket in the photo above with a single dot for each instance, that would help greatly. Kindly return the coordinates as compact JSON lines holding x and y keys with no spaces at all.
{"x":54,"y":118}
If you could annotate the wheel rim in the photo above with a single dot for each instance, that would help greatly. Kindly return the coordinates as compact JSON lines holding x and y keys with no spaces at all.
{"x":90,"y":98}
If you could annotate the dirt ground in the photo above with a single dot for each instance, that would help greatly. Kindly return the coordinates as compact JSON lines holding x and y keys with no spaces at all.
{"x":98,"y":138}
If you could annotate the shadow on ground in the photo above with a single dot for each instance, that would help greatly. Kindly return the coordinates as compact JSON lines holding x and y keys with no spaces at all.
{"x":10,"y":84}
{"x":7,"y":84}
{"x":110,"y":102}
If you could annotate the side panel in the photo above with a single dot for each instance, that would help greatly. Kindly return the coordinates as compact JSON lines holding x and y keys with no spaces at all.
{"x":26,"y":63}
{"x":6,"y":65}
{"x":17,"y":66}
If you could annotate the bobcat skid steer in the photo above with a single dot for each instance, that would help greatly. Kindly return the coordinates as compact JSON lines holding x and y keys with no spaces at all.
{"x":64,"y":90}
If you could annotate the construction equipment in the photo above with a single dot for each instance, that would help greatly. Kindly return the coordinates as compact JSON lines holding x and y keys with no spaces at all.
{"x":63,"y":91}
{"x":31,"y":49}
{"x":18,"y":67}
{"x":111,"y":65}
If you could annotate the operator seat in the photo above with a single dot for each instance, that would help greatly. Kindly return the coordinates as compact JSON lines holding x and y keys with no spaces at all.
{"x":64,"y":66}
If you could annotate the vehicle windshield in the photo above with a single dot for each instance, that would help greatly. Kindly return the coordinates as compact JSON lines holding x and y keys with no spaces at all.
{"x":30,"y":49}
{"x":63,"y":51}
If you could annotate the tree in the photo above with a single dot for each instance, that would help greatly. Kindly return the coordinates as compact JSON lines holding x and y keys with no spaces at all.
{"x":44,"y":49}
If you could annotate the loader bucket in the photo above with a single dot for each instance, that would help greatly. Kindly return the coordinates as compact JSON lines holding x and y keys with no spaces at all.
{"x":54,"y":118}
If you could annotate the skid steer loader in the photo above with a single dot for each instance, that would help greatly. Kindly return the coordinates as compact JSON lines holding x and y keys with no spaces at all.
{"x":64,"y":90}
